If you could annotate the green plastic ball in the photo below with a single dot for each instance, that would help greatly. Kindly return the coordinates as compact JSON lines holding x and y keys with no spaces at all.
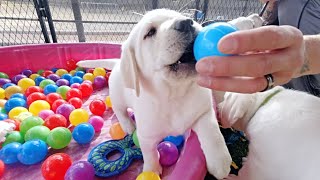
{"x":30,"y":122}
{"x":80,"y":69}
{"x":135,"y":139}
{"x":14,"y":136}
{"x":62,"y":90}
{"x":4,"y":75}
{"x":46,"y":82}
{"x":40,"y":71}
{"x":37,"y":132}
{"x":3,"y":110}
{"x":59,"y":138}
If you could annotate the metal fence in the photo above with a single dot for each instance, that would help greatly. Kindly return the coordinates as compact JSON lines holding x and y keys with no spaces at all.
{"x":40,"y":21}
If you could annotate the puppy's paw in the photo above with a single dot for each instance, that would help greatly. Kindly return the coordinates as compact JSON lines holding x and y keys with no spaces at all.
{"x":221,"y":171}
{"x":257,"y":20}
{"x":245,"y":23}
{"x":156,"y":168}
{"x":129,"y":127}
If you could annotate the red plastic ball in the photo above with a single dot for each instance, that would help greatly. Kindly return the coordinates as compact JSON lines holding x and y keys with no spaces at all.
{"x":15,"y":122}
{"x":74,"y":92}
{"x":2,"y":168}
{"x":46,"y":73}
{"x":86,"y":89}
{"x":56,"y":166}
{"x":57,"y":103}
{"x":33,"y":89}
{"x":34,"y":97}
{"x":71,"y":64}
{"x":55,"y":120}
{"x":52,"y":97}
{"x":90,"y":70}
{"x":107,"y":77}
{"x":75,"y":102}
{"x":97,"y":107}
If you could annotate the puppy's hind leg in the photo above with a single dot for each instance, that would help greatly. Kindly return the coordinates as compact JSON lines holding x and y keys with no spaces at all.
{"x":124,"y":119}
{"x":213,"y":145}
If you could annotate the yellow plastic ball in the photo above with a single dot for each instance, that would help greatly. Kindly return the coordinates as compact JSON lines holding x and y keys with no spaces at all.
{"x":88,"y":76}
{"x":16,"y":112}
{"x":148,"y":175}
{"x":2,"y":94}
{"x":2,"y":102}
{"x":78,"y":116}
{"x":72,"y":72}
{"x":9,"y":91}
{"x":99,"y":72}
{"x":34,"y":76}
{"x":38,"y":106}
{"x":108,"y":102}
{"x":24,"y":83}
{"x":61,"y":72}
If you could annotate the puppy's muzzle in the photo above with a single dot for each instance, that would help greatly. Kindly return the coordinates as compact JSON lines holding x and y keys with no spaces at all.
{"x":185,"y":26}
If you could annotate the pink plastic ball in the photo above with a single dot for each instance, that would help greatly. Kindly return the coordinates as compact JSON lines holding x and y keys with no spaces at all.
{"x":75,"y":85}
{"x":97,"y":123}
{"x":45,"y":113}
{"x":169,"y":153}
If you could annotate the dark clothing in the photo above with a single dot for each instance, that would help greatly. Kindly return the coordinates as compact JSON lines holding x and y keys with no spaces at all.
{"x":305,"y":15}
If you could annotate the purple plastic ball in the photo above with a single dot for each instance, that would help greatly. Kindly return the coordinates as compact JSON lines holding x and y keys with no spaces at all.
{"x":97,"y":123}
{"x":16,"y":78}
{"x":62,"y":82}
{"x":75,"y":85}
{"x":53,"y":77}
{"x":45,"y":113}
{"x":65,"y":110}
{"x":99,"y":82}
{"x":81,"y":170}
{"x":4,"y":81}
{"x":169,"y":153}
{"x":26,"y":72}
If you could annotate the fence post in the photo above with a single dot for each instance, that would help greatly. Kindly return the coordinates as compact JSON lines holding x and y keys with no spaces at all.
{"x":44,"y":4}
{"x":41,"y":21}
{"x":155,"y":4}
{"x":78,"y":20}
{"x":195,"y":17}
{"x":205,"y":8}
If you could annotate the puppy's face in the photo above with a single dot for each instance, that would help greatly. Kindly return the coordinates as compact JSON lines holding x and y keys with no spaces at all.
{"x":163,"y":45}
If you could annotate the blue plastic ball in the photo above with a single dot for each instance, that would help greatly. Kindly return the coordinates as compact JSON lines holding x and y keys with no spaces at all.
{"x":5,"y":86}
{"x":9,"y":152}
{"x":32,"y":152}
{"x":14,"y":102}
{"x":66,"y":76}
{"x":176,"y":140}
{"x":76,"y":79}
{"x":206,"y":43}
{"x":38,"y":80}
{"x":54,"y":70}
{"x":83,"y":133}
{"x":79,"y":73}
{"x":18,"y":95}
{"x":3,"y":116}
{"x":51,"y":88}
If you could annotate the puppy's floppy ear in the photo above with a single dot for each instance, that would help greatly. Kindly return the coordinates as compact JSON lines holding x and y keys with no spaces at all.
{"x":129,"y":69}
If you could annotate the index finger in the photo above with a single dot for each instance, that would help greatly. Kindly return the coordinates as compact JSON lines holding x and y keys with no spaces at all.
{"x":260,"y":39}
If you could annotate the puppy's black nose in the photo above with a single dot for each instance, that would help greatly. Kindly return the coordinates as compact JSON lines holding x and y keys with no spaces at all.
{"x":184,"y":25}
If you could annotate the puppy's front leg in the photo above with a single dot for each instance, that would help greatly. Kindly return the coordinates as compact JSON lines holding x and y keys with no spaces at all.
{"x":213,"y":145}
{"x":150,"y":153}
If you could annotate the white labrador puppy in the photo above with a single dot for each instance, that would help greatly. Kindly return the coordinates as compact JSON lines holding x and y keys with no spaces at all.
{"x":283,"y":127}
{"x":156,"y":77}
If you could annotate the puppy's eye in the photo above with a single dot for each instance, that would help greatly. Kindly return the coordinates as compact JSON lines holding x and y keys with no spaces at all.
{"x":150,"y":33}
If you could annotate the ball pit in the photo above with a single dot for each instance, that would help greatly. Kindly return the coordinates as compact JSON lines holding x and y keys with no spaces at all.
{"x":42,"y":71}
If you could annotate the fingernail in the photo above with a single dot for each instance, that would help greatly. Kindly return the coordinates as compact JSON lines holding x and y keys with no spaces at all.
{"x":204,"y":66}
{"x":228,"y":45}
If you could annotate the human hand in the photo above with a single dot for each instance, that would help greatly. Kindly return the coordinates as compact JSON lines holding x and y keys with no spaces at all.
{"x":276,"y":50}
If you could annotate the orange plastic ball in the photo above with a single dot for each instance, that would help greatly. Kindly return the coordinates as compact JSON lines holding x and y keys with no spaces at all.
{"x":116,"y":132}
{"x":2,"y":102}
{"x":9,"y":91}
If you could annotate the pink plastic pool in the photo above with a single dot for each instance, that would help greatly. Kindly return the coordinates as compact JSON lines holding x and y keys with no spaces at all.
{"x":191,"y":164}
